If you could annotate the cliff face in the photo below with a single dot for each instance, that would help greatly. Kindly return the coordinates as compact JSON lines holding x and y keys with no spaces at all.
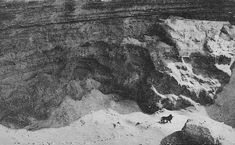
{"x":55,"y":50}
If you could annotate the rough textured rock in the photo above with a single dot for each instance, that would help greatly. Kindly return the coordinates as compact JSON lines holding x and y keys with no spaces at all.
{"x":203,"y":53}
{"x":196,"y":132}
{"x":55,"y":50}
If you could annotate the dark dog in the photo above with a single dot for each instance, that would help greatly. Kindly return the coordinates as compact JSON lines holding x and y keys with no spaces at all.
{"x":166,"y":119}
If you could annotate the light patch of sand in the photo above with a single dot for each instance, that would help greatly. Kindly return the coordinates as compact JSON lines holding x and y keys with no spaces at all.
{"x":106,"y":127}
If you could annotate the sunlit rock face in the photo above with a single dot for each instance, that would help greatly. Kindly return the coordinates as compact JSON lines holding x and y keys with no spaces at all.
{"x":58,"y":57}
{"x":204,"y":54}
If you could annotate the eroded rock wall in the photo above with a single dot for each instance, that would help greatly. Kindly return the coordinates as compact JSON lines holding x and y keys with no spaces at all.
{"x":49,"y":56}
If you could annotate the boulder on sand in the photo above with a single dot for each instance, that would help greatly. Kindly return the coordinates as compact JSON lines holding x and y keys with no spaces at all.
{"x":201,"y":132}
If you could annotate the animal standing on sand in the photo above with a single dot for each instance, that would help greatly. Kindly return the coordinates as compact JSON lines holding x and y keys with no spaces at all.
{"x":166,"y":119}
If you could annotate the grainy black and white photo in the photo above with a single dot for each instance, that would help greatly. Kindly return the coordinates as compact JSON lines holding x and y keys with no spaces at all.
{"x":117,"y":72}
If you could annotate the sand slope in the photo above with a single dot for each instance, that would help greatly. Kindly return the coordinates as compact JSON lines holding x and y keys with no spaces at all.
{"x":107,"y":127}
